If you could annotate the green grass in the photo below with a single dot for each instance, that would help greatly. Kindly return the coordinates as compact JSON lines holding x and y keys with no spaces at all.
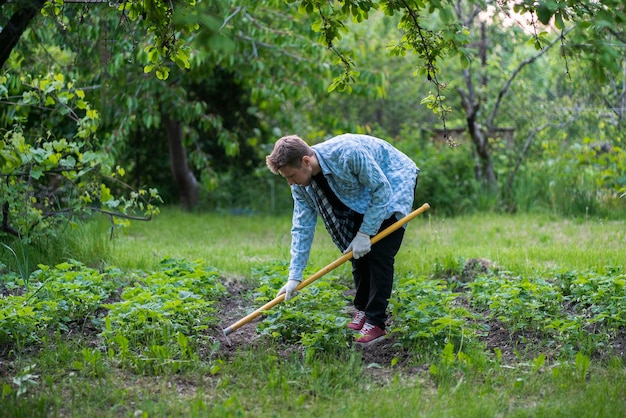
{"x":261,"y":383}
{"x":233,"y":244}
{"x":74,"y":375}
{"x":524,"y":244}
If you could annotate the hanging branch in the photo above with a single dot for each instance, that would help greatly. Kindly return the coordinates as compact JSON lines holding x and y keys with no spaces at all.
{"x":431,"y":70}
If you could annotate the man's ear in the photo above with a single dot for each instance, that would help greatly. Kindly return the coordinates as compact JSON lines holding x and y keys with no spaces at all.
{"x":306,"y":160}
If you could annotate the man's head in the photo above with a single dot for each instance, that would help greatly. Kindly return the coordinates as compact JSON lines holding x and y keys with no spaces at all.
{"x":294,"y":159}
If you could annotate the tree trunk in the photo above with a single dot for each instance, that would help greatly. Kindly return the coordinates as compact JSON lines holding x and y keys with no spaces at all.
{"x":14,"y":29}
{"x":485,"y":173}
{"x":183,"y":176}
{"x":484,"y":170}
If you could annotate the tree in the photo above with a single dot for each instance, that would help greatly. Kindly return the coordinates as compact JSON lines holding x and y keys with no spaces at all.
{"x":434,"y":31}
{"x":46,"y":178}
{"x":162,"y":21}
{"x":482,"y":111}
{"x":22,"y":14}
{"x":269,"y":42}
{"x":260,"y":49}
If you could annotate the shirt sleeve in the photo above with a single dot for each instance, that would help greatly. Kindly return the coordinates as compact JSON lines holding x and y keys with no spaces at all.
{"x":302,"y":232}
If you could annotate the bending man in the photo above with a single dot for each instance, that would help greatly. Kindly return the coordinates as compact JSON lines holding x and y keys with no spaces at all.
{"x":359,"y":185}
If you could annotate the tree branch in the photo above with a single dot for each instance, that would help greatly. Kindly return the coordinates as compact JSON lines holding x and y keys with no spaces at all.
{"x":12,"y":32}
{"x":531,"y":136}
{"x":507,"y":83}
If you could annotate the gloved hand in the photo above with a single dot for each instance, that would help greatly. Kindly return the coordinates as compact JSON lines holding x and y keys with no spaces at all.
{"x":289,"y":289}
{"x":359,"y":246}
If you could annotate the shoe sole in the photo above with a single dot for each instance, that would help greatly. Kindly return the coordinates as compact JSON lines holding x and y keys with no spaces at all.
{"x":370,"y":343}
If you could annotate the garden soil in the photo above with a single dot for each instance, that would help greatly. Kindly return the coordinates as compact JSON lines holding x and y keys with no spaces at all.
{"x":381,"y":358}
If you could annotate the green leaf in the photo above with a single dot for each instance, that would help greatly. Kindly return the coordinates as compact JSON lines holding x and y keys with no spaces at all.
{"x":544,"y":14}
{"x":446,"y":15}
{"x":9,"y":161}
{"x":558,"y":20}
{"x":162,"y":72}
{"x":36,"y":173}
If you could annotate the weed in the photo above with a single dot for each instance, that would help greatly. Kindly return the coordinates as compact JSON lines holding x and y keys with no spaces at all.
{"x":25,"y":379}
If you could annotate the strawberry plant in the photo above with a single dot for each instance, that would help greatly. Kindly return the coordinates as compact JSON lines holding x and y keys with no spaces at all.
{"x":161,"y":310}
{"x":77,"y":290}
{"x":601,"y":299}
{"x":316,"y":320}
{"x":425,"y":312}
{"x":520,"y":303}
{"x":70,"y":292}
{"x":20,"y":322}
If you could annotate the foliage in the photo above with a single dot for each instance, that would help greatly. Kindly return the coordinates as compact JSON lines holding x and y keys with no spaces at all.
{"x":45,"y":178}
{"x":571,"y":358}
{"x":576,"y":180}
{"x":223,"y":131}
{"x":159,"y":319}
{"x":520,"y":303}
{"x":52,"y":300}
{"x":161,"y":314}
{"x":606,"y":18}
{"x":600,"y":298}
{"x":163,"y":22}
{"x":576,"y":309}
{"x":425,"y":313}
{"x":316,"y":318}
{"x":446,"y":180}
{"x":266,"y":50}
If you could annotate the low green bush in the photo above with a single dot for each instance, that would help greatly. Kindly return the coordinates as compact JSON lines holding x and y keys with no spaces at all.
{"x":161,"y":314}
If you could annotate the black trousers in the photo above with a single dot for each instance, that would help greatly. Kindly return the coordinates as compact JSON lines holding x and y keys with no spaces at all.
{"x":373,"y":276}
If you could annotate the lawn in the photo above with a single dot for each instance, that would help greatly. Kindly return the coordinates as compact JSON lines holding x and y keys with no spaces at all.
{"x":492,"y":315}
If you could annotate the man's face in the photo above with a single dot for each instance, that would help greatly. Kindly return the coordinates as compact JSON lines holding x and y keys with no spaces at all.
{"x":301,"y":176}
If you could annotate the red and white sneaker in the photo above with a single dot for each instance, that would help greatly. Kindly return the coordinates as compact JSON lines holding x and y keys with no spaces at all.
{"x":370,"y":334}
{"x":357,"y":321}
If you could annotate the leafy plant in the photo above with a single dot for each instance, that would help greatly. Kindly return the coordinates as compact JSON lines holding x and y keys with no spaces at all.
{"x":20,"y":322}
{"x":425,"y":312}
{"x":601,"y":299}
{"x":69,"y":292}
{"x":161,"y":311}
{"x":519,"y":302}
{"x":77,"y":290}
{"x":316,"y":320}
{"x":47,"y":178}
{"x":25,"y":380}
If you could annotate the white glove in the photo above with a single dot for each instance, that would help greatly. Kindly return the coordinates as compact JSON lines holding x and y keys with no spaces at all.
{"x":359,"y":246}
{"x":289,"y":289}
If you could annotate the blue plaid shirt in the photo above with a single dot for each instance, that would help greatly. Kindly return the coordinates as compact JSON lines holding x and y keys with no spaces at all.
{"x":367,"y":174}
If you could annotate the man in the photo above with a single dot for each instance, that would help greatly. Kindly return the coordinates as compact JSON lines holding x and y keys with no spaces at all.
{"x":359,"y":185}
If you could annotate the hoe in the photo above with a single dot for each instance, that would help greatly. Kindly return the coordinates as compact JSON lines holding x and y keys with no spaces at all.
{"x":382,"y":234}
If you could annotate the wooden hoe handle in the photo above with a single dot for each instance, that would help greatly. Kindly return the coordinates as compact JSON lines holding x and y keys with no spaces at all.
{"x":326,"y":269}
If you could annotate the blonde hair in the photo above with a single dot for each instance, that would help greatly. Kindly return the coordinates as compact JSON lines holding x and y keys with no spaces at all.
{"x":288,"y":150}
